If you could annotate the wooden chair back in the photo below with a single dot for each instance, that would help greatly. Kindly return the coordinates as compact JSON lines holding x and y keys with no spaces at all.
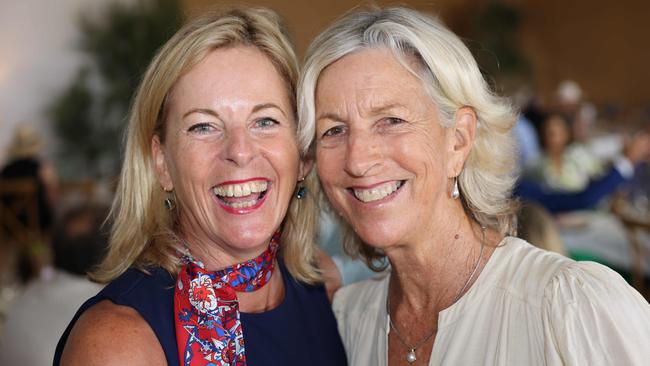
{"x":19,"y":215}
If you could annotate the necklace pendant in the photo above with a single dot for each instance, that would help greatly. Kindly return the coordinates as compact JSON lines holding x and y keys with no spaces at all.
{"x":410,"y":357}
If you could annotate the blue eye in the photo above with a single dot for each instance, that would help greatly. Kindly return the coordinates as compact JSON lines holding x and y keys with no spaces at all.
{"x":200,"y":128}
{"x":266,"y":122}
{"x":334,"y":131}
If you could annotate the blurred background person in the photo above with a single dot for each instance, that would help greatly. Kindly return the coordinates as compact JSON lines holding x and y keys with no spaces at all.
{"x":561,"y":167}
{"x":41,"y":312}
{"x":25,"y":161}
{"x":568,"y":98}
{"x":28,"y":199}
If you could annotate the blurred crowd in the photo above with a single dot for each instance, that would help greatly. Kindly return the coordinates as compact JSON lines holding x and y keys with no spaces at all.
{"x":583,"y":178}
{"x":51,"y":235}
{"x":584,"y":188}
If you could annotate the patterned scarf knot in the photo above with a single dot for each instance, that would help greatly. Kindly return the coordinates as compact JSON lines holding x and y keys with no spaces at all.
{"x":206,"y":308}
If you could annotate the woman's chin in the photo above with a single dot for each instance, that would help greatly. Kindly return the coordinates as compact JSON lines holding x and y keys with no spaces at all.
{"x":251,"y":241}
{"x":380,"y":238}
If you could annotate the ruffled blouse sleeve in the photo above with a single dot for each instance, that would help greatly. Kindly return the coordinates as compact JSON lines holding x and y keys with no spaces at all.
{"x":591,"y":316}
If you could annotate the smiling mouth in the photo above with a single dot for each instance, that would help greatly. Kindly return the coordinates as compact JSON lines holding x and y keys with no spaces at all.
{"x":378,"y":192}
{"x":241,"y":195}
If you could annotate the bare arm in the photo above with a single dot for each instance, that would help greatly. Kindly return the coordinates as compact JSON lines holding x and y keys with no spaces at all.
{"x":109,"y":334}
{"x":331,"y":274}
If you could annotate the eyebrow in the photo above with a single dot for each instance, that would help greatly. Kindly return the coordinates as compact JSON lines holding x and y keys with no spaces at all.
{"x":259,"y":107}
{"x":330,"y":116}
{"x":386,"y":108}
{"x":373,"y":112}
{"x":202,"y":111}
{"x":213,"y":113}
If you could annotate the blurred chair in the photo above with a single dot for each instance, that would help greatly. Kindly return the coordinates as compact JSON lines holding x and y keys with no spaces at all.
{"x":637,"y":228}
{"x":23,"y":243}
{"x":19,"y":216}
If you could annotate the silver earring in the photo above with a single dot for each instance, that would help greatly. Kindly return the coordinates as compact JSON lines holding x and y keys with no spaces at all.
{"x":455,"y":193}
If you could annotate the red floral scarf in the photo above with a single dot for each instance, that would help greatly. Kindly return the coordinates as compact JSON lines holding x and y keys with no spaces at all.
{"x":208,"y":329}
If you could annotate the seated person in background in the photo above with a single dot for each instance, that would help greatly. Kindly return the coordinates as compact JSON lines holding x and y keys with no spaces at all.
{"x":562,"y":166}
{"x":636,"y":151}
{"x":23,"y":162}
{"x":39,"y":316}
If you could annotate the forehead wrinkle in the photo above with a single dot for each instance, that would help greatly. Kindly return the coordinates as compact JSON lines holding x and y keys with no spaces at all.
{"x":372,"y":103}
{"x":373,"y":93}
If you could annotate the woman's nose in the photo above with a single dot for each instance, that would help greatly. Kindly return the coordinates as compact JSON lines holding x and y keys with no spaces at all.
{"x":364,"y":155}
{"x":240,"y":148}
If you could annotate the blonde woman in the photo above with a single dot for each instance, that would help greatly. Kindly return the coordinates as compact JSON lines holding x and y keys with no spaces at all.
{"x":211,"y":258}
{"x":414,"y":155}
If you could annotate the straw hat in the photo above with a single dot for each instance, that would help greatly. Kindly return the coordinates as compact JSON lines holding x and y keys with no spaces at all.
{"x":26,"y":142}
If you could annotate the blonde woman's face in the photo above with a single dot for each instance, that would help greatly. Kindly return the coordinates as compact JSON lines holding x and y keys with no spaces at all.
{"x":230,"y":153}
{"x":382,"y":156}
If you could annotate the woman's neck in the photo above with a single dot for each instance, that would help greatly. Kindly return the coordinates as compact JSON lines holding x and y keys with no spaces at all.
{"x":215,"y":258}
{"x":266,"y":298}
{"x":430,"y":274}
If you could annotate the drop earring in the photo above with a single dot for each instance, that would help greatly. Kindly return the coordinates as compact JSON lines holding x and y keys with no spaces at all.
{"x":301,"y":190}
{"x":169,"y":201}
{"x":455,"y":193}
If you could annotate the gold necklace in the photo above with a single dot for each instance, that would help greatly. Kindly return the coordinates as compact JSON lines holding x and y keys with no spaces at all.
{"x":410,"y":355}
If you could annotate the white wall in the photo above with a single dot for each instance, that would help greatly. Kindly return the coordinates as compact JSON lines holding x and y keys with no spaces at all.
{"x":38,"y":58}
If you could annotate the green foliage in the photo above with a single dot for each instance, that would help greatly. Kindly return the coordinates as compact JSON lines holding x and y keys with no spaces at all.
{"x":71,"y":115}
{"x":89,"y":120}
{"x":500,"y":55}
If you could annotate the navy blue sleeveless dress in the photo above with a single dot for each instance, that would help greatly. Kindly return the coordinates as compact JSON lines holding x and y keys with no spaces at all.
{"x":300,"y":331}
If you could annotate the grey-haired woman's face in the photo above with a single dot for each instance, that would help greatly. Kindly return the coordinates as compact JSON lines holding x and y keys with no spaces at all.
{"x":381,"y":153}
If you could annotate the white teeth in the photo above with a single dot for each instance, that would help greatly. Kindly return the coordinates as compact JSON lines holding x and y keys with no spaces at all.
{"x":246,"y":190}
{"x":241,"y":190}
{"x":377,"y":193}
{"x":243,"y":204}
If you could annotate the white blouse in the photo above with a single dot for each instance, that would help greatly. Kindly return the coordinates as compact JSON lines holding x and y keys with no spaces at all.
{"x":528,"y":307}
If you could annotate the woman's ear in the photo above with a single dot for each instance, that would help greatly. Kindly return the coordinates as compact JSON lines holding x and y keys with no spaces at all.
{"x":306,"y":165}
{"x":162,"y":171}
{"x":462,"y":139}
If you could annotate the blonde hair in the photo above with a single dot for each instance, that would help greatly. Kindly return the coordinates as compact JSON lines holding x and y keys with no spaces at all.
{"x":452,"y":78}
{"x":143,"y":230}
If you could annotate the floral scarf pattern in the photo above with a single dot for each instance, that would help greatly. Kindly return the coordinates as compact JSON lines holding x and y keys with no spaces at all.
{"x":206,"y":308}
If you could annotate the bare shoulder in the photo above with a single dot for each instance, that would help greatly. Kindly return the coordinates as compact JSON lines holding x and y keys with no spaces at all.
{"x":109,"y":334}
